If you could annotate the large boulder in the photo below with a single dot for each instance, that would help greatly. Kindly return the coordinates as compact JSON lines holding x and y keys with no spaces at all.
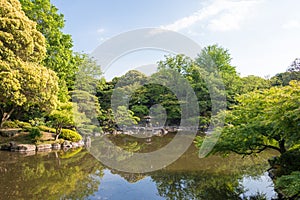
{"x":23,"y":148}
{"x":75,"y":145}
{"x":43,"y":147}
{"x":67,"y":144}
{"x":56,"y":146}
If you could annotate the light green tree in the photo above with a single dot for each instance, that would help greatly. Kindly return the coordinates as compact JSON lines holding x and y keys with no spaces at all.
{"x":24,"y":83}
{"x":61,"y":117}
{"x":262,"y":120}
{"x":216,"y":59}
{"x":251,"y":83}
{"x":59,"y":56}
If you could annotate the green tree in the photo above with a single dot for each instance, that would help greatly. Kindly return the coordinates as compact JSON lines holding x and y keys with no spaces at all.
{"x":104,"y":93}
{"x":292,"y":73}
{"x":87,"y":110}
{"x":282,"y":79}
{"x":61,"y":117}
{"x":88,"y":76}
{"x":123,"y":116}
{"x":200,"y":77}
{"x":23,"y":81}
{"x":262,"y":120}
{"x":214,"y":59}
{"x":289,"y":185}
{"x":59,"y":56}
{"x":295,"y":66}
{"x":251,"y":83}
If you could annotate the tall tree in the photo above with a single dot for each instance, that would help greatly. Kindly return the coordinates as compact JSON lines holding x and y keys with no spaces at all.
{"x":23,"y":81}
{"x":214,"y":59}
{"x":59,"y":55}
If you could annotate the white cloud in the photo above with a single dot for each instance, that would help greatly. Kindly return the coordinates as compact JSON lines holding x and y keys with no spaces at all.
{"x":200,"y":15}
{"x":292,"y":24}
{"x":220,"y":15}
{"x":233,"y":17}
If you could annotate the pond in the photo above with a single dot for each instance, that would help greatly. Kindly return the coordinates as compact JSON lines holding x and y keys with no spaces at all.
{"x":76,"y":174}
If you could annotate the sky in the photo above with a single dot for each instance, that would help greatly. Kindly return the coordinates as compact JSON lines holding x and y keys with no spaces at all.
{"x":262,"y":36}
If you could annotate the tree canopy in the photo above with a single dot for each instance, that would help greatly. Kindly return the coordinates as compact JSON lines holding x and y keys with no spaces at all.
{"x":59,"y":55}
{"x":261,"y":120}
{"x":24,"y":82}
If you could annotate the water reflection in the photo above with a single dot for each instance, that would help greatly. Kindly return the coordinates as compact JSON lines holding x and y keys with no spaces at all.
{"x":78,"y":175}
{"x":49,"y":176}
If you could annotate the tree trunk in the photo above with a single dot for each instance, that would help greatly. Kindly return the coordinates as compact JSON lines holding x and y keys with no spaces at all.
{"x":282,"y":146}
{"x":6,"y":116}
{"x":58,"y":132}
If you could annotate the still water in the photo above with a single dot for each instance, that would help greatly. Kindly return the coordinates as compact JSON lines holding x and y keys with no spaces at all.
{"x":76,"y":174}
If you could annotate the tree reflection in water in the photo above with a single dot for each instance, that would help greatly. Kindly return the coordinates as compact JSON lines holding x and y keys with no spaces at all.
{"x":49,"y":176}
{"x":78,"y":175}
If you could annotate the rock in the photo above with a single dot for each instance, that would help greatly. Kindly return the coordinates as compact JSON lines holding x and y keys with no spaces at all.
{"x":23,"y":148}
{"x":74,"y":144}
{"x":81,"y":143}
{"x":5,"y":147}
{"x":56,"y":146}
{"x":67,"y":144}
{"x":13,"y":144}
{"x":43,"y":147}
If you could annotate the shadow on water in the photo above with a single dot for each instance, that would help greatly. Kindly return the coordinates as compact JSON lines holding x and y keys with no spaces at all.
{"x":78,"y":175}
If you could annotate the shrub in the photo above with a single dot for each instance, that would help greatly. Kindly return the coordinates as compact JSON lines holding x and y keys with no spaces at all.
{"x":10,"y":124}
{"x":27,"y":128}
{"x":24,"y":125}
{"x":289,"y":185}
{"x":47,"y":129}
{"x":35,"y":133}
{"x":37,"y":121}
{"x":70,"y":135}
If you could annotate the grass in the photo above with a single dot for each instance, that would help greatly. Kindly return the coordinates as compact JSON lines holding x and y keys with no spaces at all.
{"x":23,"y":138}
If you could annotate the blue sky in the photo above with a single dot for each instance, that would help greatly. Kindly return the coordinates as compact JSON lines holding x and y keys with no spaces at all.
{"x":263,"y":36}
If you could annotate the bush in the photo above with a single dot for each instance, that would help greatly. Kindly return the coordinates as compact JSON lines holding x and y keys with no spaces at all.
{"x":27,"y":128}
{"x":37,"y":121}
{"x":289,"y":185}
{"x":35,"y":133}
{"x":24,"y":125}
{"x":10,"y":124}
{"x":70,"y":135}
{"x":47,"y":129}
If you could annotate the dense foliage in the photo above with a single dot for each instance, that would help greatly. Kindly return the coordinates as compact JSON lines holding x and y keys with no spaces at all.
{"x":24,"y":82}
{"x":261,"y":120}
{"x":70,"y":135}
{"x":59,"y":55}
